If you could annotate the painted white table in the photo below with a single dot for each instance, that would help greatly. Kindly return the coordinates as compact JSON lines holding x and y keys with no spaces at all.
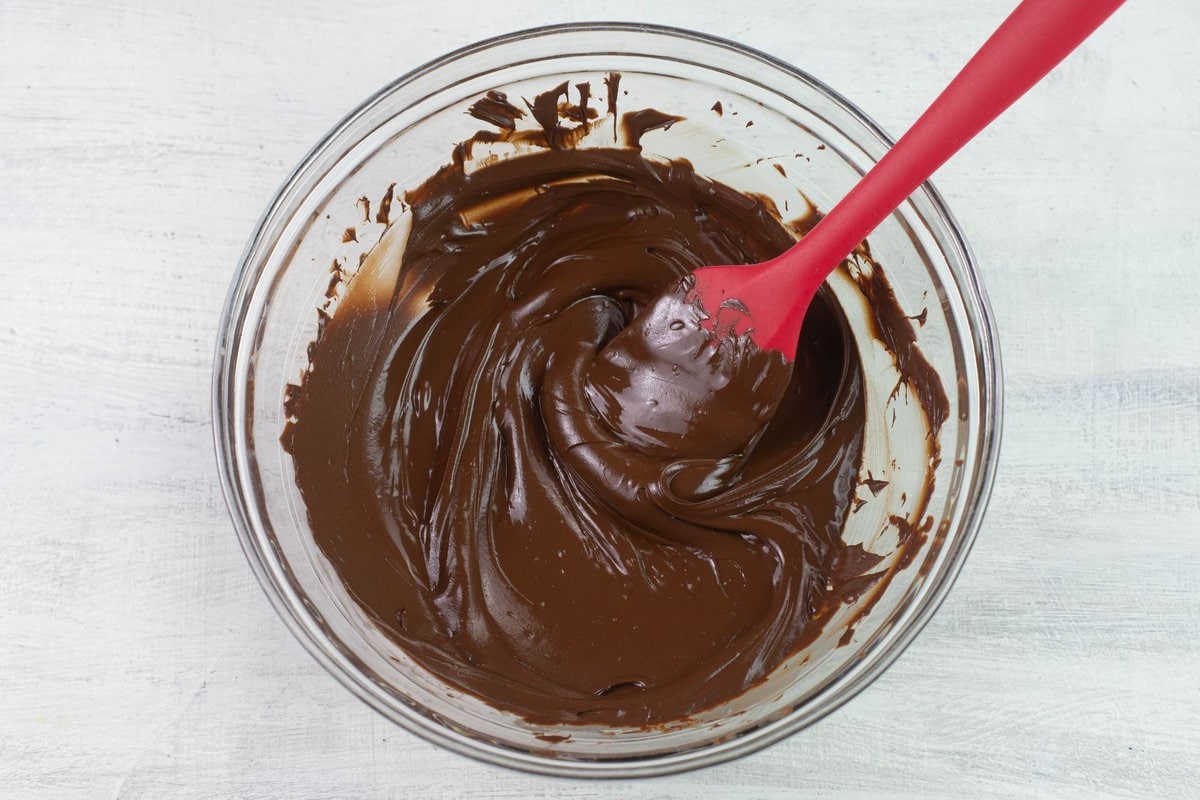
{"x":139,"y":142}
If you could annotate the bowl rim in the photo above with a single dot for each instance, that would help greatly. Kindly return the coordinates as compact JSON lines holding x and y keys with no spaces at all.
{"x":839,"y":689}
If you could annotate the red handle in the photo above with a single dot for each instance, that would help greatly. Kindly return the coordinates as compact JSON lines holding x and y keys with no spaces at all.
{"x":1034,"y":38}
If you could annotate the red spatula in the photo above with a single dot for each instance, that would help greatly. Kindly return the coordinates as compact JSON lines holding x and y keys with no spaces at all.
{"x":777,"y":293}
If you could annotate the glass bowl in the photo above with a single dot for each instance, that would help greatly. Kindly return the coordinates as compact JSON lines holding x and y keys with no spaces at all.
{"x":822,"y":145}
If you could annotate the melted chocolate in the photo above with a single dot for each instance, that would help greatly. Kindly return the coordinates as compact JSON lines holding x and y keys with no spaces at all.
{"x":494,"y":109}
{"x":674,"y":389}
{"x":612,"y":82}
{"x":532,"y":505}
{"x":383,"y":215}
{"x":637,"y":123}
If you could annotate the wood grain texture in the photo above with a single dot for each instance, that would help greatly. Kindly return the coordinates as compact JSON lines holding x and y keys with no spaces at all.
{"x":139,"y":142}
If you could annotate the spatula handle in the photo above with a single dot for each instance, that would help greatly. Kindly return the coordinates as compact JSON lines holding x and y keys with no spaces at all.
{"x":1034,"y":38}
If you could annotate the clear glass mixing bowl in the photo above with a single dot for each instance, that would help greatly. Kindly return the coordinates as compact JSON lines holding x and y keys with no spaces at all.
{"x":824,"y":144}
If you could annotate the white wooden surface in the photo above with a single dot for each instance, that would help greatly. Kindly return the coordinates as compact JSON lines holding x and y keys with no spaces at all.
{"x":139,"y":142}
